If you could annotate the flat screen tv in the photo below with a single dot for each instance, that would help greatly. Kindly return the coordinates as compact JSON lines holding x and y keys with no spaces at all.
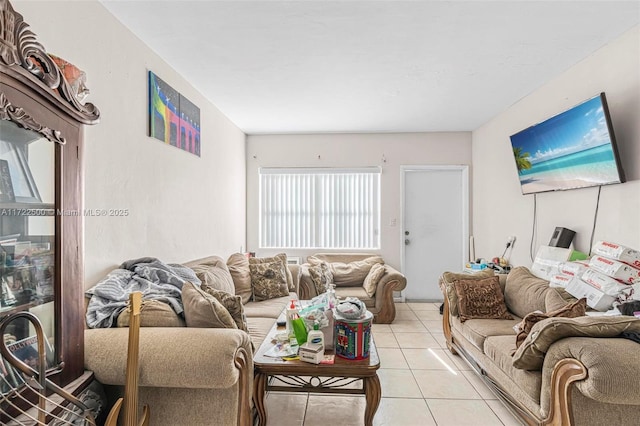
{"x":574,"y":149}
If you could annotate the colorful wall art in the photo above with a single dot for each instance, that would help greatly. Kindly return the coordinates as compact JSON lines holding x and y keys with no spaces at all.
{"x":173,"y":119}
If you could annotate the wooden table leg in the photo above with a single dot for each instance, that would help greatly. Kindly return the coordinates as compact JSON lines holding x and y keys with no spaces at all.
{"x":259,"y":390}
{"x":372,"y":392}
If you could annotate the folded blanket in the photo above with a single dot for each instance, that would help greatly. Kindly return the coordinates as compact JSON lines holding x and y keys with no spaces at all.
{"x":154,"y":278}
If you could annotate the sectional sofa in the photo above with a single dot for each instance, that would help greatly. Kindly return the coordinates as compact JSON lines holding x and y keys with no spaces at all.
{"x":575,"y":370}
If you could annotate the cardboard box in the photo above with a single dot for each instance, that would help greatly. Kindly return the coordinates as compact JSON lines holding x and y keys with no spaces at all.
{"x":615,"y":269}
{"x":618,"y":252}
{"x":596,"y":299}
{"x":548,"y":260}
{"x":311,"y":352}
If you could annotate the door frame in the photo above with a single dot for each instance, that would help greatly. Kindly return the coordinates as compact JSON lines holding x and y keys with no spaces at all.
{"x":465,"y":209}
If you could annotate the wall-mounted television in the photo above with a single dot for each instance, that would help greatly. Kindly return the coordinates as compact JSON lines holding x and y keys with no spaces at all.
{"x":574,"y":149}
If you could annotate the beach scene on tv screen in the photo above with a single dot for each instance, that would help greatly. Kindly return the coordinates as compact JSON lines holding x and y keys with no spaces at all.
{"x":570,"y":150}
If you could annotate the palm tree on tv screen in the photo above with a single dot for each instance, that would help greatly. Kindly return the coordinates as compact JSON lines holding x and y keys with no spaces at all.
{"x":522,"y":159}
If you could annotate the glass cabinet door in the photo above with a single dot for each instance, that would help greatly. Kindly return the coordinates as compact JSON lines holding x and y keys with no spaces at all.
{"x":27,"y":240}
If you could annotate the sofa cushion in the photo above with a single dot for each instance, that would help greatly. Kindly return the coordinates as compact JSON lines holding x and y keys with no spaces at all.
{"x":480,"y":299}
{"x":477,"y":330}
{"x":213,"y":271}
{"x":530,"y":355}
{"x":524,"y":292}
{"x":238,"y":265}
{"x":153,"y":313}
{"x":259,"y":329}
{"x":203,"y":310}
{"x":370,"y":284}
{"x":321,"y":276}
{"x":281,"y":257}
{"x":570,"y":310}
{"x":344,"y":292}
{"x":447,"y":280}
{"x":232,"y":303}
{"x":499,"y":349}
{"x":349,"y":274}
{"x":271,"y":308}
{"x":268,"y":280}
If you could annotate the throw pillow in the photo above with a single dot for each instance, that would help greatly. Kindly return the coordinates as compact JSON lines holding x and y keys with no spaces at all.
{"x":321,"y":276}
{"x":238,"y":265}
{"x":530,"y":355}
{"x":232,"y":303}
{"x":213,"y":272}
{"x":447,"y":280}
{"x":203,"y":310}
{"x":268,"y":280}
{"x":282,"y":257}
{"x":571,"y":310}
{"x":349,"y":274}
{"x":481,"y":299}
{"x":557,"y":298}
{"x":524,"y":292}
{"x":153,"y":313}
{"x":373,"y":278}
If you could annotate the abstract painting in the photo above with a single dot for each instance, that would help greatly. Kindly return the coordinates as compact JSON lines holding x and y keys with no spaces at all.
{"x":173,"y":119}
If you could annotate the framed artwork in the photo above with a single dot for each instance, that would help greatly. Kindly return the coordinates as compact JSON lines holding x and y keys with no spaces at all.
{"x":173,"y":119}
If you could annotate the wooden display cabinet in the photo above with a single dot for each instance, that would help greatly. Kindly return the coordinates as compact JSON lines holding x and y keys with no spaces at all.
{"x":41,"y":197}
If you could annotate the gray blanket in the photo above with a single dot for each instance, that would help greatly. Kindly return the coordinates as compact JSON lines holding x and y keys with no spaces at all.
{"x":154,"y":278}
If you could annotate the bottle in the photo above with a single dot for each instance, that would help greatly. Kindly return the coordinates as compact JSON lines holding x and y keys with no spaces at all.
{"x":291,"y":314}
{"x":316,"y":336}
{"x":332,"y":300}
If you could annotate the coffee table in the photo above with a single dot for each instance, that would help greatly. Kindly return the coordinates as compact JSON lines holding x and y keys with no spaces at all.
{"x":342,"y":377}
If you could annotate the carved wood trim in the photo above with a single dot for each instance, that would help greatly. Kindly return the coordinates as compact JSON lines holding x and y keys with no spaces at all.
{"x":446,"y":321}
{"x":565,"y":373}
{"x":19,"y":50}
{"x":242,"y":361}
{"x":387,"y":312}
{"x":19,"y":116}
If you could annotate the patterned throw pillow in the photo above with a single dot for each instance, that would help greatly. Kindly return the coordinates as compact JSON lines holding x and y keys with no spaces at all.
{"x":321,"y":276}
{"x":232,"y":303}
{"x":269,"y":280}
{"x":282,"y":257}
{"x":203,"y":310}
{"x":481,"y":299}
{"x":373,"y":278}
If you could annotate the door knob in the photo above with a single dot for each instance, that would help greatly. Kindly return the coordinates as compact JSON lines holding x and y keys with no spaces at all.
{"x":406,"y":232}
{"x":406,"y":241}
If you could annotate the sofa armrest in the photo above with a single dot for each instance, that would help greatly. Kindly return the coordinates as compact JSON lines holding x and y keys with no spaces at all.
{"x":305,"y":283}
{"x":295,"y":274}
{"x":612,"y":366}
{"x":176,"y":357}
{"x":391,"y":277}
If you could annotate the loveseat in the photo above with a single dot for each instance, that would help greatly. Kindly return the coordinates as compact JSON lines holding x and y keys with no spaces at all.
{"x":360,"y":275}
{"x":574,"y":370}
{"x":192,"y":375}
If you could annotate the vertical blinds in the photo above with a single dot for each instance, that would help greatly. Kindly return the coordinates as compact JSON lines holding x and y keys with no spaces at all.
{"x":320,"y":208}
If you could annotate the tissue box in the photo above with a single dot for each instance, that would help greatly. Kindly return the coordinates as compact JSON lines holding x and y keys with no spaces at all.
{"x":311,"y":352}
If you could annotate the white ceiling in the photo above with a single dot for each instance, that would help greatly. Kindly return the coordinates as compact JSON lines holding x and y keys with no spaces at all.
{"x":371,"y":66}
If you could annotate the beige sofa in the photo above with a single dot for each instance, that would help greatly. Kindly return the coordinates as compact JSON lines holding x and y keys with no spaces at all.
{"x":354,"y":269}
{"x":572,"y":371}
{"x":189,"y":376}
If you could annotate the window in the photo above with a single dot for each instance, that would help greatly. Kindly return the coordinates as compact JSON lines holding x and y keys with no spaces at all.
{"x":320,"y":208}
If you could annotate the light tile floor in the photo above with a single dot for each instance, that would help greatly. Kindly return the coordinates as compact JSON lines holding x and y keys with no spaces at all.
{"x":422,"y":383}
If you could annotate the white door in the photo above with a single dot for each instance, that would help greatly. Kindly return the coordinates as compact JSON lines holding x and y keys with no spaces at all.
{"x":435,"y":227}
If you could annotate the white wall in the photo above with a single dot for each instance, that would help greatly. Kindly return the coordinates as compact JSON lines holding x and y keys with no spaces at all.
{"x":499,"y":209}
{"x":353,"y":150}
{"x":181,"y":206}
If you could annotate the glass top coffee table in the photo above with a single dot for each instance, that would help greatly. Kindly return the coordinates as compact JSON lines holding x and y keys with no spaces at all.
{"x":342,"y":377}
